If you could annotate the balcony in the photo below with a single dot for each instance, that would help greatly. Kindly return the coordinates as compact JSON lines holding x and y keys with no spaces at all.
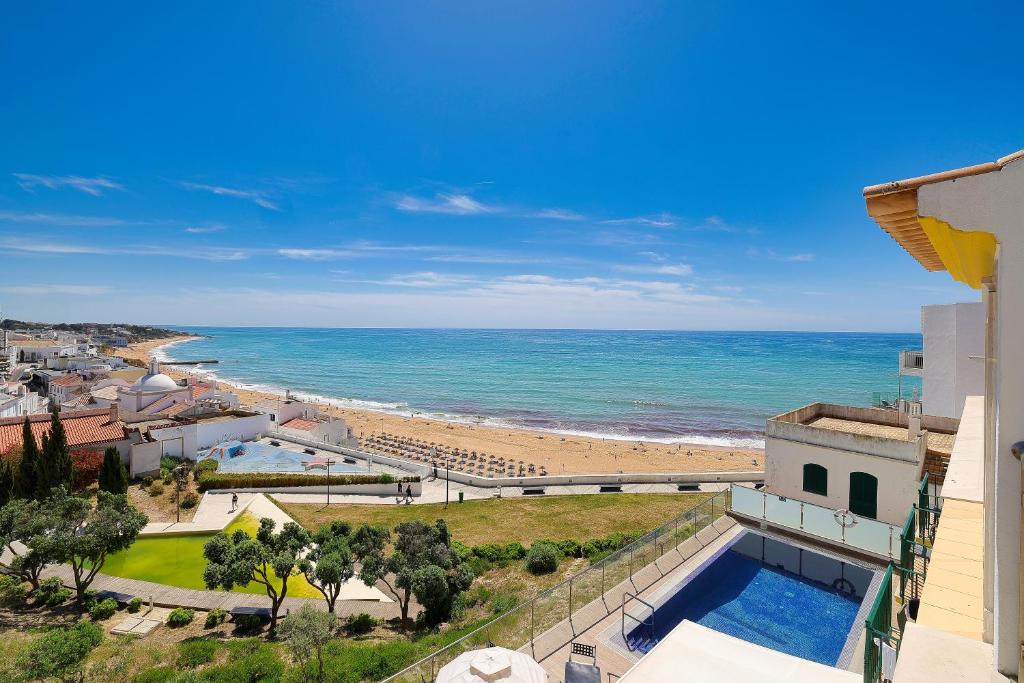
{"x":912,"y":363}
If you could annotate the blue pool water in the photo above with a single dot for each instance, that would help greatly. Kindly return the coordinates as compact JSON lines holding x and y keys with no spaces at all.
{"x":261,"y":457}
{"x":743,"y":597}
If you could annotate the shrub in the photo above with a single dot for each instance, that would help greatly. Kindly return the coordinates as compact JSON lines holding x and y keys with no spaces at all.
{"x":180,"y":616}
{"x":192,"y":653}
{"x":60,"y":652}
{"x":146,"y":481}
{"x":248,"y":622}
{"x":168,"y":463}
{"x":208,"y":465}
{"x":58,"y":597}
{"x":248,"y":660}
{"x":478,"y":596}
{"x":47,"y":587}
{"x":190,"y":500}
{"x":12,"y":591}
{"x":85,"y":468}
{"x":104,"y":609}
{"x":503,"y":602}
{"x":570,"y":548}
{"x":156,"y":488}
{"x":358,"y":624}
{"x":134,"y":605}
{"x":542,"y":558}
{"x":208,"y":481}
{"x":215,"y":617}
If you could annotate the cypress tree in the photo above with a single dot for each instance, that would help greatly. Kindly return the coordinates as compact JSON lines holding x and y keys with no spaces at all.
{"x":57,"y":455}
{"x":113,"y":476}
{"x":44,"y":467}
{"x":27,"y":481}
{"x":6,"y":482}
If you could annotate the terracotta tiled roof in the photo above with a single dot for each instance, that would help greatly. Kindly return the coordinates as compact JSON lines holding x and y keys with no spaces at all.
{"x":176,"y":408}
{"x":68,"y":380}
{"x":301,"y":424}
{"x":83,"y":427}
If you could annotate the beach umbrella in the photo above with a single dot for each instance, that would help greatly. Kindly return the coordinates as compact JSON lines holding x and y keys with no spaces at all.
{"x":492,"y":665}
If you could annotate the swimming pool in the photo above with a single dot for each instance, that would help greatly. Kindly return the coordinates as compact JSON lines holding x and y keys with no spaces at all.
{"x":769,"y":592}
{"x":256,"y":456}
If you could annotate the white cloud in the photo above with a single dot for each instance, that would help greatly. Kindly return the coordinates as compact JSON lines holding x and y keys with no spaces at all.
{"x":93,"y":186}
{"x":770,"y":255}
{"x":257,"y":197}
{"x":558,"y":215}
{"x":64,"y":249}
{"x":73,"y":290}
{"x":680,"y":269}
{"x":661,"y":220}
{"x":203,"y":229}
{"x":27,"y":217}
{"x":453,"y":204}
{"x":314,"y":254}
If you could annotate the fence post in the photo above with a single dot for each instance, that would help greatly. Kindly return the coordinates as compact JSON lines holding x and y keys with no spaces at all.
{"x":603,"y":564}
{"x":801,"y":515}
{"x":712,"y":508}
{"x":533,"y":603}
{"x":631,"y":561}
{"x":570,"y":601}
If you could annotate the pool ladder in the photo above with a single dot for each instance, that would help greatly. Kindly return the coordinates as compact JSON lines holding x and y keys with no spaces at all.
{"x":649,"y":622}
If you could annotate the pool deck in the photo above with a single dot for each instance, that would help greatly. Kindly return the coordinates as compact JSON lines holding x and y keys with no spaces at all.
{"x":590,"y":624}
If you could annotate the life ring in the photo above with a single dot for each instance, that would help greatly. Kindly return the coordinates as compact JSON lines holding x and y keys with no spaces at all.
{"x":844,"y":587}
{"x":844,"y":518}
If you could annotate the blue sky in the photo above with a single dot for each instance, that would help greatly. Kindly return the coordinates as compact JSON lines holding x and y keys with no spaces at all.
{"x":613,"y":165}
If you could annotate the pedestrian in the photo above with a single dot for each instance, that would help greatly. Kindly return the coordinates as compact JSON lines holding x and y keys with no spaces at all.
{"x":408,"y":492}
{"x":234,"y":502}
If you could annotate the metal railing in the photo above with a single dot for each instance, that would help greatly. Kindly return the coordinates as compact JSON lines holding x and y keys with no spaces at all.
{"x":626,"y":597}
{"x":839,"y":526}
{"x":527,"y":623}
{"x":878,"y":629}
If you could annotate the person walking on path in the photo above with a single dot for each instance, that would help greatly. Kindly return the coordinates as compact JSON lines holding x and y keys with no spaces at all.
{"x":408,"y":493}
{"x":234,"y":502}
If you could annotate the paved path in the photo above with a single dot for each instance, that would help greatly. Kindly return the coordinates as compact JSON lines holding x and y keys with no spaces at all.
{"x":213,"y":514}
{"x":434,"y":492}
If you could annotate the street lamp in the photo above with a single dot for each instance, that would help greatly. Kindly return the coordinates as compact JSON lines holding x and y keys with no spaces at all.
{"x":329,"y":462}
{"x":447,"y":461}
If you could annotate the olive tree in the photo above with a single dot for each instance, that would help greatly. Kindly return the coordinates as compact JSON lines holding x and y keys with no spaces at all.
{"x":328,"y":564}
{"x":306,"y":632}
{"x":25,"y":529}
{"x":421,"y":563}
{"x":270,"y":560}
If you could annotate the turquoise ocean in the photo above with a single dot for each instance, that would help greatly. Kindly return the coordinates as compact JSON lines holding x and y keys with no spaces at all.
{"x":712,"y":388}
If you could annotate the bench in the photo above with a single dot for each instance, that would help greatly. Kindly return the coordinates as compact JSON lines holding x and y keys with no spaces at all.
{"x":263,"y":612}
{"x":275,"y":443}
{"x":350,"y":461}
{"x":120,"y":598}
{"x":533,"y":492}
{"x":610,"y":489}
{"x":309,"y":451}
{"x":688,"y":487}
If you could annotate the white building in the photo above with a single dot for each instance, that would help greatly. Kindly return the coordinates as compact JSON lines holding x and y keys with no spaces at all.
{"x":21,"y":401}
{"x":970,"y":223}
{"x":953,"y":357}
{"x":152,"y":387}
{"x":305,"y":421}
{"x":865,"y":460}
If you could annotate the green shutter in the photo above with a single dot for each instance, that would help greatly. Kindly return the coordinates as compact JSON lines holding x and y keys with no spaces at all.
{"x":815,"y":479}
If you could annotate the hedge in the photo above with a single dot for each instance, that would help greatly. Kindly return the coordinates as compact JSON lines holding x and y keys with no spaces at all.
{"x":246,"y":480}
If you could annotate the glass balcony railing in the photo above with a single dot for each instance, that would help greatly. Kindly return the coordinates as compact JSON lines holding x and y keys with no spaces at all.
{"x":838,"y":526}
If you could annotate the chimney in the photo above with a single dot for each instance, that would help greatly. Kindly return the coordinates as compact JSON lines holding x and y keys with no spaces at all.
{"x":914,"y":428}
{"x":113,"y":412}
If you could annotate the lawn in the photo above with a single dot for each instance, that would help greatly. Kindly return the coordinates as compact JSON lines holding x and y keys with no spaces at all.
{"x":523,"y":519}
{"x":178,"y":561}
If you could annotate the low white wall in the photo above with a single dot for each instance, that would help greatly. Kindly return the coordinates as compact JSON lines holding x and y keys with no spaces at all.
{"x":340,"y":489}
{"x":537,"y":481}
{"x":144,"y":459}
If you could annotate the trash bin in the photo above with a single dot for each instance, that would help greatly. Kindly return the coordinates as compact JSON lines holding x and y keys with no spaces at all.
{"x":461,"y":495}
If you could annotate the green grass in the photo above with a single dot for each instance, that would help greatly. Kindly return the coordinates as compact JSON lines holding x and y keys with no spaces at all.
{"x":178,"y":561}
{"x":523,"y":519}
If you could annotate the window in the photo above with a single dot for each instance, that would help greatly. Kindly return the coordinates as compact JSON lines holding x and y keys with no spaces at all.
{"x":864,"y":494}
{"x":815,"y":479}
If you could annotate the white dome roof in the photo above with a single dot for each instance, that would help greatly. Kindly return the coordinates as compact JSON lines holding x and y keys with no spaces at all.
{"x":154,"y":382}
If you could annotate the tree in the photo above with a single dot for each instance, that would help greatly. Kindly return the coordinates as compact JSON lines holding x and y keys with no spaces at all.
{"x":25,"y":530}
{"x":55,"y":462}
{"x":113,"y":477}
{"x":240,"y":559}
{"x":6,"y":482}
{"x":85,"y":536}
{"x":59,"y":653}
{"x":306,"y":632}
{"x":85,"y":467}
{"x":422,"y":563}
{"x":328,"y":565}
{"x":27,"y":481}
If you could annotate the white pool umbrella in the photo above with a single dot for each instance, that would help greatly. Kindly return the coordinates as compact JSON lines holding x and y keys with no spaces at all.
{"x":492,"y":665}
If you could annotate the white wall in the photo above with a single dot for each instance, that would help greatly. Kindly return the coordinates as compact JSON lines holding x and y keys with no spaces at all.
{"x":954,"y":345}
{"x":784,"y":474}
{"x":994,"y":203}
{"x":241,"y":428}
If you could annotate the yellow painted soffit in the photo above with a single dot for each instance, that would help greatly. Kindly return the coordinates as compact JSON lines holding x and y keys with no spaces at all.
{"x":969,"y":256}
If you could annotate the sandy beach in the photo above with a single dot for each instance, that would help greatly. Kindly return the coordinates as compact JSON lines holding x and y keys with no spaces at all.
{"x":559,"y":454}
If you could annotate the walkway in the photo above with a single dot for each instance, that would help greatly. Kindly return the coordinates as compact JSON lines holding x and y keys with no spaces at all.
{"x":434,"y":492}
{"x":213,"y":514}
